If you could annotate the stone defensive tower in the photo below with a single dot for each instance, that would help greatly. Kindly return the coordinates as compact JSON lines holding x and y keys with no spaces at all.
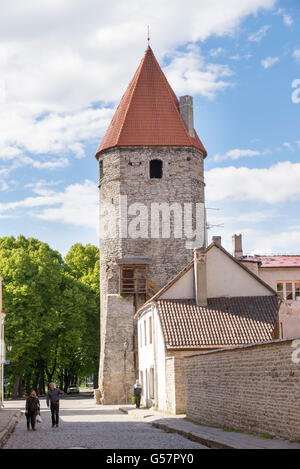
{"x":150,"y":155}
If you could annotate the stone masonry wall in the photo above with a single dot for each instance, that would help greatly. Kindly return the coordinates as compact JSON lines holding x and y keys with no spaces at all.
{"x":126,"y":172}
{"x":254,"y":388}
{"x":170,"y":385}
{"x":175,"y":385}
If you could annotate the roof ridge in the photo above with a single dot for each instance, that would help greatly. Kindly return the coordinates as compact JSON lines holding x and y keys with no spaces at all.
{"x":137,"y":75}
{"x":168,"y":89}
{"x":148,"y":113}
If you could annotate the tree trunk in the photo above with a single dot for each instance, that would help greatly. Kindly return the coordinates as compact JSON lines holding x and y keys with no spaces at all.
{"x":15,"y":391}
{"x":21,"y":387}
{"x":41,"y":387}
{"x":96,"y":380}
{"x":27,"y":384}
{"x":35,"y":381}
{"x":66,"y":381}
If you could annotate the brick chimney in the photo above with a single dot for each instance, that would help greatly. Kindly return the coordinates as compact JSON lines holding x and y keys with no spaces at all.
{"x":217,"y":240}
{"x":237,"y":249}
{"x":187,"y":113}
{"x":200,"y":276}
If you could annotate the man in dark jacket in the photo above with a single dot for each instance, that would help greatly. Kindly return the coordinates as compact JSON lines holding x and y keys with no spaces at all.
{"x":137,"y":391}
{"x":53,"y":398}
{"x":32,"y":410}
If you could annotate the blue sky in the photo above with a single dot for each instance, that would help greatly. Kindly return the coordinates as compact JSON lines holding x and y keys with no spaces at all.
{"x":64,"y":66}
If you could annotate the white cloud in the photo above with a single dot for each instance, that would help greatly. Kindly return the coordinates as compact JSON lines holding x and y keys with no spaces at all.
{"x":235,"y":154}
{"x":76,"y":205}
{"x":276,"y":184}
{"x":189,"y":73}
{"x":296,"y":55}
{"x":69,"y":55}
{"x":269,"y":61}
{"x":288,"y":146}
{"x":288,"y":20}
{"x":258,"y":35}
{"x":52,"y":133}
{"x":216,"y":52}
{"x":260,"y":241}
{"x":75,"y":59}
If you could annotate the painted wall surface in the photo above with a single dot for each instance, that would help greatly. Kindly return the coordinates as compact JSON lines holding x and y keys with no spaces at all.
{"x":274,"y":275}
{"x":183,"y":288}
{"x":152,"y":356}
{"x":289,"y":310}
{"x":225,"y":278}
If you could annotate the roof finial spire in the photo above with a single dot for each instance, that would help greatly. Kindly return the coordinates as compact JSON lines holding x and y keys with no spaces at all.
{"x":148,"y":38}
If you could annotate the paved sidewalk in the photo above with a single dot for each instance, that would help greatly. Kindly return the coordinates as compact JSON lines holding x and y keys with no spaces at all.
{"x":8,"y":421}
{"x":208,"y":436}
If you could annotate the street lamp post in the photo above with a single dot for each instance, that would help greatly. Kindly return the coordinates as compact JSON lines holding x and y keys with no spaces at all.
{"x":125,"y":346}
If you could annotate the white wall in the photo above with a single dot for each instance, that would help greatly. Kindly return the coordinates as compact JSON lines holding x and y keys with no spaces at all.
{"x":152,"y":355}
{"x":183,"y":288}
{"x":225,"y":278}
{"x":289,"y":310}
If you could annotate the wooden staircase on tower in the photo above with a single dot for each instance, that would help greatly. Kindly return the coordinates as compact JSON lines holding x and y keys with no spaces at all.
{"x":130,"y":283}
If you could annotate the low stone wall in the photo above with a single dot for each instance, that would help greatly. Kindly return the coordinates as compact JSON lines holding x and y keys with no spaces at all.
{"x":175,"y":385}
{"x":254,"y":388}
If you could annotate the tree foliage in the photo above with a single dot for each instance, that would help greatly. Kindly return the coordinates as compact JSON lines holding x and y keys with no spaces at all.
{"x":52,"y":308}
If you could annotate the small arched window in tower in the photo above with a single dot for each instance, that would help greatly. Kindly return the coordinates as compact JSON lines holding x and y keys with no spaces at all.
{"x":100,"y":172}
{"x":156,"y":169}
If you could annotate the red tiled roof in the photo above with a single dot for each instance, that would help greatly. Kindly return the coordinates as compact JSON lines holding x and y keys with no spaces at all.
{"x":148,"y":113}
{"x":274,"y":261}
{"x":223,"y":322}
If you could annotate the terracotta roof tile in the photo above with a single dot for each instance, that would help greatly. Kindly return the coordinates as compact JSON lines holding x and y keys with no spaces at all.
{"x":274,"y":261}
{"x":223,"y":322}
{"x":148,"y":113}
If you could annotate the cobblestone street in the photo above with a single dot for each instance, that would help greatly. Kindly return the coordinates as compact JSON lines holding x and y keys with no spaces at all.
{"x":86,"y":425}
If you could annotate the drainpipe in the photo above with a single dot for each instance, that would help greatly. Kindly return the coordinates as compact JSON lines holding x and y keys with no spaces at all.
{"x":200,"y":276}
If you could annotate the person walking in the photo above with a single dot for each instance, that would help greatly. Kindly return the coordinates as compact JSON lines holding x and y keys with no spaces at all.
{"x":32,"y":410}
{"x":52,"y":398}
{"x":137,"y":391}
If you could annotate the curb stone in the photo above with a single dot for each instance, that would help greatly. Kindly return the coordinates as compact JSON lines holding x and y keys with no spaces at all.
{"x":214,"y":438}
{"x":4,"y":435}
{"x":192,"y":436}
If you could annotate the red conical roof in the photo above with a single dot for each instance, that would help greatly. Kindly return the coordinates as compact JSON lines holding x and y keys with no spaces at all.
{"x":148,"y":113}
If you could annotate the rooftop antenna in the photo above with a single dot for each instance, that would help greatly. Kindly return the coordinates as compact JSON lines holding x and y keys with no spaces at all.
{"x":148,"y":38}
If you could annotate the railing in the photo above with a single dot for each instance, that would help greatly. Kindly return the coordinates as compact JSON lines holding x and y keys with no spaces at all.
{"x":138,"y":286}
{"x":133,"y":285}
{"x":152,"y":288}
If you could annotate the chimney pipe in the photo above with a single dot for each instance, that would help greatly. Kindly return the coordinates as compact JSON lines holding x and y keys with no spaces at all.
{"x":187,"y":113}
{"x":200,"y":276}
{"x":217,"y":240}
{"x":237,"y":246}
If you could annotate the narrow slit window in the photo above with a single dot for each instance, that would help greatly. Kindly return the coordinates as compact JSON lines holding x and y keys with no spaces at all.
{"x":100,"y":170}
{"x":156,"y":169}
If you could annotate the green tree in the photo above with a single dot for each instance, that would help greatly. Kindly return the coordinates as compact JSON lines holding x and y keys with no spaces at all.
{"x":52,"y":310}
{"x":33,"y":275}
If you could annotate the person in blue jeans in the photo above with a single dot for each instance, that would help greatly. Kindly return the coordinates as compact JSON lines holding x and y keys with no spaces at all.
{"x":52,"y":398}
{"x":32,"y":409}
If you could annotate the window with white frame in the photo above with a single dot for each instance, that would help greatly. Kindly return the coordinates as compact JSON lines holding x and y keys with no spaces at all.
{"x":141,"y":336}
{"x":152,"y":383}
{"x":150,"y":330}
{"x":145,"y":331}
{"x":289,"y":290}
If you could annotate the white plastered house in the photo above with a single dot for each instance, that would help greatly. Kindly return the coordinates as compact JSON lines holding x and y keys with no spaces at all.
{"x":214,"y":302}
